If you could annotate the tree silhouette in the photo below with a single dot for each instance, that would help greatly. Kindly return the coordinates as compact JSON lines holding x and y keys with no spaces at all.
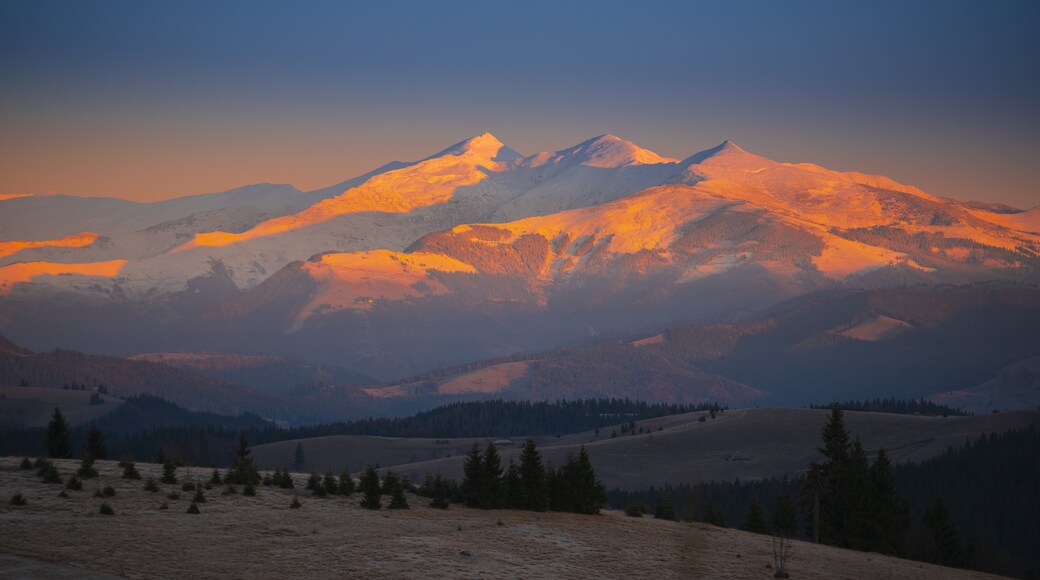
{"x":58,"y":441}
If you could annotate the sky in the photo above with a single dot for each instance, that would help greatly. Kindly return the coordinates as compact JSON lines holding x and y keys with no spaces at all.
{"x":152,"y":100}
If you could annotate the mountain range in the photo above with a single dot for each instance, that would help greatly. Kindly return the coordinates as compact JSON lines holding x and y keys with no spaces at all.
{"x":479,"y":251}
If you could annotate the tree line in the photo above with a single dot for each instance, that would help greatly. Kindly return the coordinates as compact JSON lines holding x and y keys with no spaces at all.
{"x":144,"y":423}
{"x":897,"y":406}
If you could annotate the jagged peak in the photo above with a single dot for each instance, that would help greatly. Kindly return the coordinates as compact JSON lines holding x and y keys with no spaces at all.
{"x":484,"y":145}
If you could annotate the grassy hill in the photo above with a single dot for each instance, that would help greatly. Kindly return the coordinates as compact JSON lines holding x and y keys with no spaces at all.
{"x":671,"y":450}
{"x":237,"y":536}
{"x":33,"y":406}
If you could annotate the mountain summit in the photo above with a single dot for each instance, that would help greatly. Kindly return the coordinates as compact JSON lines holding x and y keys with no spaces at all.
{"x":485,"y":146}
{"x":602,"y":235}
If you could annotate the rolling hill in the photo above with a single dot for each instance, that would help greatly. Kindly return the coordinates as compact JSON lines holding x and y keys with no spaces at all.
{"x":743,"y":443}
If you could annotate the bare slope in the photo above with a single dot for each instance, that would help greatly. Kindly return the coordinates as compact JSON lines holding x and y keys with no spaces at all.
{"x":777,"y":442}
{"x":238,"y":536}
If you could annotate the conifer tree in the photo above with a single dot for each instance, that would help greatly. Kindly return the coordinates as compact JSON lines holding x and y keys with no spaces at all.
{"x":86,"y":467}
{"x":346,"y":483}
{"x":890,"y":514}
{"x":493,"y":488}
{"x":398,"y":500}
{"x":215,"y":479}
{"x":836,"y":505}
{"x":390,"y":482}
{"x":298,"y":458}
{"x":756,"y":520}
{"x":534,"y":495}
{"x":243,"y":471}
{"x":665,"y":510}
{"x":947,"y":548}
{"x":331,"y":483}
{"x":713,"y":517}
{"x":439,"y":493}
{"x":785,"y":518}
{"x":473,"y":477}
{"x":169,"y":472}
{"x":370,"y":487}
{"x":129,"y":469}
{"x":58,"y":441}
{"x":579,"y":489}
{"x":95,"y":444}
{"x":813,"y":489}
{"x":314,"y":481}
{"x":514,"y":495}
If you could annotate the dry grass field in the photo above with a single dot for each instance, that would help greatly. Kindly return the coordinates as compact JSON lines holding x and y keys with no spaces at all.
{"x":777,"y":442}
{"x":261,"y":537}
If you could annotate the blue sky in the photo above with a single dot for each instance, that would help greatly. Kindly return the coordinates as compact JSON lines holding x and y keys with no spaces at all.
{"x":148,"y":100}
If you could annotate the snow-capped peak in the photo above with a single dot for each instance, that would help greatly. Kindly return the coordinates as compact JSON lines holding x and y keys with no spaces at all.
{"x":607,"y":151}
{"x":726,"y":152}
{"x":485,"y":146}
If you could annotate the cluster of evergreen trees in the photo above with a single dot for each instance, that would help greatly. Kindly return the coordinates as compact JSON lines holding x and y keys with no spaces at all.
{"x":973,"y":506}
{"x":897,"y":406}
{"x":854,"y":503}
{"x":532,"y":485}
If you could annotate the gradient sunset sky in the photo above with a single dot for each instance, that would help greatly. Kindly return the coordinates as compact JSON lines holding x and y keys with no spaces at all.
{"x":151,"y":100}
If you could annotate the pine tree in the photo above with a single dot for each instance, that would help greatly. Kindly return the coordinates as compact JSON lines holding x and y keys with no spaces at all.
{"x":785,"y":518}
{"x":370,"y":487}
{"x":390,"y":482}
{"x":215,"y":479}
{"x":579,"y":489}
{"x":494,"y":490}
{"x":86,"y":467}
{"x":713,"y":517}
{"x":948,"y":549}
{"x":95,"y":444}
{"x":665,"y":510}
{"x":314,"y":481}
{"x":58,"y":441}
{"x":532,"y":478}
{"x":814,"y":487}
{"x":836,"y":503}
{"x":298,"y":459}
{"x":439,"y":493}
{"x":346,"y":483}
{"x":169,"y":472}
{"x":398,"y":500}
{"x":856,"y":494}
{"x":249,"y":490}
{"x":243,"y":471}
{"x":514,"y":494}
{"x":331,"y":483}
{"x":889,"y":512}
{"x":130,"y":470}
{"x":473,"y":477}
{"x":755,"y":521}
